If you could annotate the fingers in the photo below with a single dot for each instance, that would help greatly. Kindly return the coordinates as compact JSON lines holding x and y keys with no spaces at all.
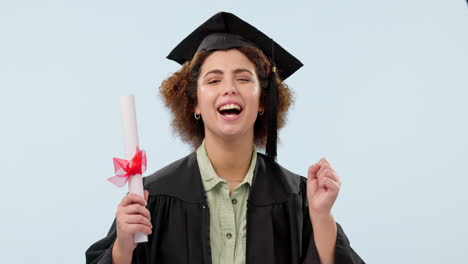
{"x":329,"y":184}
{"x":135,"y":228}
{"x":326,"y":170}
{"x":132,"y":217}
{"x":132,"y":198}
{"x":324,"y":164}
{"x":328,"y":173}
{"x":136,"y":219}
{"x":312,"y":172}
{"x":129,"y":224}
{"x":319,"y":166}
{"x":132,"y":210}
{"x":323,"y":169}
{"x":136,"y":209}
{"x":133,"y":204}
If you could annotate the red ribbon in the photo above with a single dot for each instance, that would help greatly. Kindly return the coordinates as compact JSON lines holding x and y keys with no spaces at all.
{"x":124,"y":169}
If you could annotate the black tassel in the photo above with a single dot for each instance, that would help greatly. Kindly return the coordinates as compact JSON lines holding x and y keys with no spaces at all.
{"x":272,"y":109}
{"x":272,"y":115}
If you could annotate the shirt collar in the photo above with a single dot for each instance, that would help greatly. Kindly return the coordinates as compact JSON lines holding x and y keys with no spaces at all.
{"x":208,"y":174}
{"x":271,"y":183}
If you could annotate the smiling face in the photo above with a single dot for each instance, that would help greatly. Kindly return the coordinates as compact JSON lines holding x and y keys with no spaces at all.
{"x":228,"y":95}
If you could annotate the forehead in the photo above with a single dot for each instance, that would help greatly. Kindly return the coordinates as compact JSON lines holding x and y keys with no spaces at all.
{"x":227,"y":60}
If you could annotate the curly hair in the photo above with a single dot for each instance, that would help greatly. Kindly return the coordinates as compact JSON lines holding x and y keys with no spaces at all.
{"x":179,"y":93}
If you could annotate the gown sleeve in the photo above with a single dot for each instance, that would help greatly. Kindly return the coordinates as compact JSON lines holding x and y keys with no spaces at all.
{"x":101,"y":251}
{"x":344,"y":254}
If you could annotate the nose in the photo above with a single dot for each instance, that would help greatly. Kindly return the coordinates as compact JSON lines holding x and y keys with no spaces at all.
{"x":229,"y":87}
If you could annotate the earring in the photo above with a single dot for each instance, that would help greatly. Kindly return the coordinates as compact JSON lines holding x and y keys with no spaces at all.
{"x":197,"y":116}
{"x":261,"y":112}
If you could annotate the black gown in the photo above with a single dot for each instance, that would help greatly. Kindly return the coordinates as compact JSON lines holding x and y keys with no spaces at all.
{"x":278,"y":223}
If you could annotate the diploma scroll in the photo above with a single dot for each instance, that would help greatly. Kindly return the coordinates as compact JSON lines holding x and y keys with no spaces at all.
{"x":130,"y":133}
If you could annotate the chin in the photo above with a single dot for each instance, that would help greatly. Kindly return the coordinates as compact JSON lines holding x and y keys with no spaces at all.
{"x":232,"y":132}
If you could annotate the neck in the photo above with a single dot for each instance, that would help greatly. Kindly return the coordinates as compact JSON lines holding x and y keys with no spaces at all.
{"x":230,"y":158}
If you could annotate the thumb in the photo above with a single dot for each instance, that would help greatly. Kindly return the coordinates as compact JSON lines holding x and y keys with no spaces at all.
{"x":146,"y":195}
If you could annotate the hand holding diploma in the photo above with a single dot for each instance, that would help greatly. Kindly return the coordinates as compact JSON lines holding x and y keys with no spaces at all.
{"x":132,"y":217}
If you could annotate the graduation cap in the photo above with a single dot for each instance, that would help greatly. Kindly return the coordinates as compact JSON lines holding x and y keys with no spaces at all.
{"x":226,"y":31}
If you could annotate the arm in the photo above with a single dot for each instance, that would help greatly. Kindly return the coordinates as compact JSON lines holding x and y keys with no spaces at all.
{"x":325,"y":232}
{"x":330,"y":241}
{"x":119,"y":256}
{"x":101,"y":251}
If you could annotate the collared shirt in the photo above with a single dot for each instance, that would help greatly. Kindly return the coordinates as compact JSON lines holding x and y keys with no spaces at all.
{"x":227,"y":212}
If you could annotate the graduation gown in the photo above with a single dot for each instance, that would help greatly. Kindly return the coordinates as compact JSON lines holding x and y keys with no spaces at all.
{"x":278,"y":223}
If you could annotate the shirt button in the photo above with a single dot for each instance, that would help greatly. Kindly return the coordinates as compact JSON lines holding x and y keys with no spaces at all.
{"x":234,"y":201}
{"x":228,"y":236}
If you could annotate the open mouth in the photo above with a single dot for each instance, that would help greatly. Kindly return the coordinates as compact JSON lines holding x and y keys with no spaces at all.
{"x":230,"y":110}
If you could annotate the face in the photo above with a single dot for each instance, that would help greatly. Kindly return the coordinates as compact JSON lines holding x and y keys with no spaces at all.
{"x":228,"y":94}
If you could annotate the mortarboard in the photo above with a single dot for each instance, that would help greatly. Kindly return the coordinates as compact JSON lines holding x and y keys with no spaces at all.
{"x":225,"y":31}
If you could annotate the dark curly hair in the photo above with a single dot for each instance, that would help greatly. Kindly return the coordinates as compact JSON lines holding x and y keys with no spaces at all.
{"x":179,"y":93}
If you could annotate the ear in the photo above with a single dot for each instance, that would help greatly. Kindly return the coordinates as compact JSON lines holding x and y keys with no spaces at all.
{"x":261,"y":108}
{"x":196,"y":110}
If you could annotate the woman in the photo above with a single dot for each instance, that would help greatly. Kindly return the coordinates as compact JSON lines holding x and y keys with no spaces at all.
{"x":226,"y":203}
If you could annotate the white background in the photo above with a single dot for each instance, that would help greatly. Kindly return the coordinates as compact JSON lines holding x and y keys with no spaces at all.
{"x":382,"y":95}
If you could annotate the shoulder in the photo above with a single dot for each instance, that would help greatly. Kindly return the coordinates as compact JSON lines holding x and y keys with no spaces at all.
{"x":273,"y":183}
{"x":291,"y":180}
{"x":165,"y":174}
{"x":180,"y":179}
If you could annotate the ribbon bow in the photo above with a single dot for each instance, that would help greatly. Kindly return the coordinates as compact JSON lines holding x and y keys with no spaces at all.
{"x":124,"y":169}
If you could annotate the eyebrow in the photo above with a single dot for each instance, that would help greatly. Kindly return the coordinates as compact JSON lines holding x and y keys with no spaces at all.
{"x":234,"y":71}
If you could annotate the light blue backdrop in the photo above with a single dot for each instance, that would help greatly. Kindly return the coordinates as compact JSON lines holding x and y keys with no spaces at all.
{"x":382,"y":95}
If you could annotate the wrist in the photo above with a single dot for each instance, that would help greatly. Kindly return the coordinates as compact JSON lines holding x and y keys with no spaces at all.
{"x":120,"y":256}
{"x":321,"y":218}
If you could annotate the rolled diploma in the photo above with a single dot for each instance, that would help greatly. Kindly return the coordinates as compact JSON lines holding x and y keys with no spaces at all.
{"x":130,"y":133}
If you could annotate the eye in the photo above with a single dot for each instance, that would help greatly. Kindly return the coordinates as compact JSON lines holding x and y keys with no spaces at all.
{"x":243,"y":80}
{"x":213,"y":81}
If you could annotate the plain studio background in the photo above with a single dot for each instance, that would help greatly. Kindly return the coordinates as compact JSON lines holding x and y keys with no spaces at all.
{"x":382,"y":95}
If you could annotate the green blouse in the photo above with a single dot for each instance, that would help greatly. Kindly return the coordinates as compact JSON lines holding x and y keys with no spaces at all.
{"x":227,"y":212}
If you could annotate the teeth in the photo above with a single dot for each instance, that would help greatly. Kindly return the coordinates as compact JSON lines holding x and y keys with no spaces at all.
{"x":230,"y":106}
